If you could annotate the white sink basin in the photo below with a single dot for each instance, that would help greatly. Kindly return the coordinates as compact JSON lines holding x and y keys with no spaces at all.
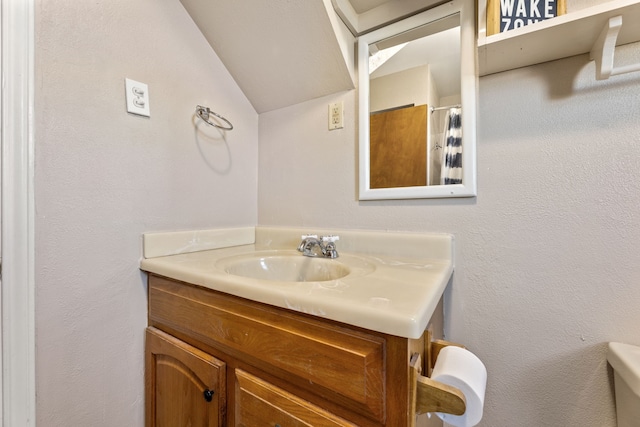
{"x":382,"y":281}
{"x":292,"y":266}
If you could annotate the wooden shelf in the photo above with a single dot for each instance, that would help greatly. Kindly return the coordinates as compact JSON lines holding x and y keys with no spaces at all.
{"x":572,"y":34}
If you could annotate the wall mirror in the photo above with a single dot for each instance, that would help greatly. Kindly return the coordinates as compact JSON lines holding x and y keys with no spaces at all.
{"x":417,"y":81}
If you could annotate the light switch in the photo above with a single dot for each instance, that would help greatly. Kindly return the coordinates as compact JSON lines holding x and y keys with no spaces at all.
{"x":137,"y":95}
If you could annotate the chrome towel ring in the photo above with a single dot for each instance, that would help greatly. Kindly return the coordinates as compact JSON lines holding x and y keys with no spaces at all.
{"x":205,"y":112}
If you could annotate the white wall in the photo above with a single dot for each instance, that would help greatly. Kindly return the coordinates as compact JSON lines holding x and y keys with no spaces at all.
{"x":547,"y":265}
{"x":546,"y":255}
{"x":411,"y":86}
{"x":103,"y":177}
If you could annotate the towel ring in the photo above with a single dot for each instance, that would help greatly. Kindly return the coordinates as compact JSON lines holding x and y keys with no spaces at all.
{"x":205,"y":112}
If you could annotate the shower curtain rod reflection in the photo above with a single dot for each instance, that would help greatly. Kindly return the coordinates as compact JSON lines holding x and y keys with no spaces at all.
{"x":432,"y":109}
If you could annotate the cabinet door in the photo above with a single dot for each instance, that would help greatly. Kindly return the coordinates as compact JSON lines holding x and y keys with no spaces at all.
{"x":259,"y":403}
{"x":184,"y":386}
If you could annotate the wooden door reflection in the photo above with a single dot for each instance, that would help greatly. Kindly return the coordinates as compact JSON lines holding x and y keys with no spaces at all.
{"x":398,"y":147}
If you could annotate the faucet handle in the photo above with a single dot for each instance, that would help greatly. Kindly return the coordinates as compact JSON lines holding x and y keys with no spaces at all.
{"x":309,"y":236}
{"x":330,"y":239}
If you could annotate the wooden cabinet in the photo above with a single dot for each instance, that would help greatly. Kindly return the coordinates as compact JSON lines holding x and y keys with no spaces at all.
{"x":268,"y":366}
{"x":185,"y":386}
{"x":259,"y":403}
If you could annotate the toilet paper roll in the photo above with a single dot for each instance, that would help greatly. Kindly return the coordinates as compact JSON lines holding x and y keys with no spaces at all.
{"x":458,"y":367}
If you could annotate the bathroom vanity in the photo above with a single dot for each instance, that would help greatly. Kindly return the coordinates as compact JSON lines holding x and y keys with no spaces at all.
{"x":226,"y":349}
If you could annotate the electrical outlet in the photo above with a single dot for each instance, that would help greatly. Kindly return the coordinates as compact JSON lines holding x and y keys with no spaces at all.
{"x":137,"y":95}
{"x":336,"y":115}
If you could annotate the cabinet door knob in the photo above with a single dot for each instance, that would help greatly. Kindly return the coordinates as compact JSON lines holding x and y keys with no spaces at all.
{"x":208,"y":395}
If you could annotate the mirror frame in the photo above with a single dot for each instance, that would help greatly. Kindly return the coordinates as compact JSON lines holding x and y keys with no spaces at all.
{"x":468,"y":87}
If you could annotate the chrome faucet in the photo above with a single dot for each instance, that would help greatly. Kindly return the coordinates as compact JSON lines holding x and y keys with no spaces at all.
{"x":326,"y":245}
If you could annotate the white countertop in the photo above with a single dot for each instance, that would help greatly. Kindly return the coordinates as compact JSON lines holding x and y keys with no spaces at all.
{"x":396,"y":294}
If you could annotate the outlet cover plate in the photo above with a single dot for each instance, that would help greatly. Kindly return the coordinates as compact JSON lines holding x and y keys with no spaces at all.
{"x":336,"y":115}
{"x":137,"y":95}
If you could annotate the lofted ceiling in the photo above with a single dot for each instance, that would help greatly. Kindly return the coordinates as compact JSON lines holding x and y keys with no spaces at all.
{"x":283,"y":52}
{"x":280,"y":52}
{"x":361,"y":6}
{"x":363,"y":16}
{"x":441,"y":51}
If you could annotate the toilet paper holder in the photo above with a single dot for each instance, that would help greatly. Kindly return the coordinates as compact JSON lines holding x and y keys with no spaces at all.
{"x":427,"y":395}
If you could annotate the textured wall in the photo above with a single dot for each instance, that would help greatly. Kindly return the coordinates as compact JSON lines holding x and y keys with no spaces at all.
{"x":547,"y":264}
{"x":547,"y":260}
{"x":103,"y":177}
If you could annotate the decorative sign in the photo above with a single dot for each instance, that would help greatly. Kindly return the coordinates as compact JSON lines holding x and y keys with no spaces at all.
{"x":505,"y":15}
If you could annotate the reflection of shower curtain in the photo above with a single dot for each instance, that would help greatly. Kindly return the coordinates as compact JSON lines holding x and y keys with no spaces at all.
{"x":452,"y":144}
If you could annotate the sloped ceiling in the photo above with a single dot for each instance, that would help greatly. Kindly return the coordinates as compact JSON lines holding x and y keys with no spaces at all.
{"x":280,"y":52}
{"x":283,"y":52}
{"x":363,"y":16}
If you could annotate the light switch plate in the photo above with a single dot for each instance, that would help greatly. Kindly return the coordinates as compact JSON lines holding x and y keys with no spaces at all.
{"x":137,"y":95}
